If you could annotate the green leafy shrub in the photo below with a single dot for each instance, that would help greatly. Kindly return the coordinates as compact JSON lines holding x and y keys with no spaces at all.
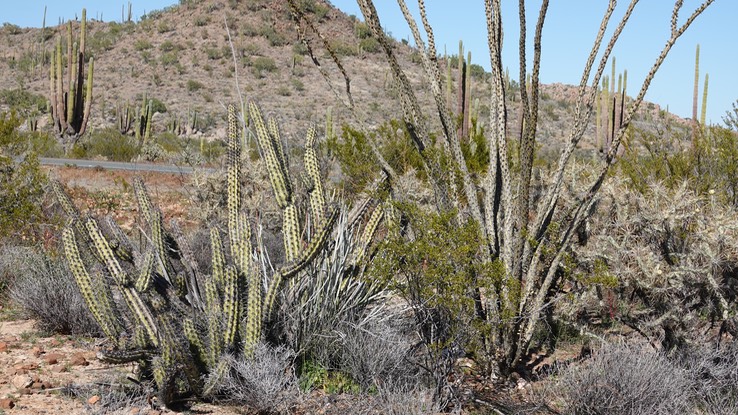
{"x":142,"y":44}
{"x":263,"y":64}
{"x":108,"y":143}
{"x":21,"y":181}
{"x":193,"y":85}
{"x":370,"y":45}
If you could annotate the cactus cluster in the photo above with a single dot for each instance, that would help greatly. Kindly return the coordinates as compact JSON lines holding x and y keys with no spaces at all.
{"x":71,"y":104}
{"x":155,"y":304}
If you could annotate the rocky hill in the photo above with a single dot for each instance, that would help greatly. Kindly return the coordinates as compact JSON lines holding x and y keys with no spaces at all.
{"x":182,"y":57}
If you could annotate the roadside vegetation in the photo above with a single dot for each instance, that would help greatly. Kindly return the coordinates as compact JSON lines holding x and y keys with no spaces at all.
{"x":447,"y":264}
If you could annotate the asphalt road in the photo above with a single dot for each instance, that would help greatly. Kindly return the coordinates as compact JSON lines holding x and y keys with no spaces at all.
{"x":116,"y":165}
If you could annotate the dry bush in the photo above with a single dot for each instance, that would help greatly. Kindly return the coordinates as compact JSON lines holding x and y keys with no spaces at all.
{"x":45,"y":291}
{"x":623,"y":380}
{"x":265,"y":382}
{"x":714,"y":374}
{"x":114,"y":396}
{"x":373,"y":354}
{"x":661,"y":262}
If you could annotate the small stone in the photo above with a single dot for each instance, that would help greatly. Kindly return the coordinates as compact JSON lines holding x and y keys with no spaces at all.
{"x":7,"y":403}
{"x":59,"y":369}
{"x":27,"y":366}
{"x":37,"y":385}
{"x":93,"y":399}
{"x":3,"y":347}
{"x":78,"y":360}
{"x":52,"y":358}
{"x":37,"y":351}
{"x":22,"y":381}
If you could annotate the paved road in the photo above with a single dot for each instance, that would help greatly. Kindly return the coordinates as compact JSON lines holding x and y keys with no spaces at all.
{"x":116,"y":165}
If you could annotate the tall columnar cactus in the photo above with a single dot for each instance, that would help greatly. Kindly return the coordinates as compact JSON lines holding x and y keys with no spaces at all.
{"x":71,"y":104}
{"x":155,"y":304}
{"x":145,"y":114}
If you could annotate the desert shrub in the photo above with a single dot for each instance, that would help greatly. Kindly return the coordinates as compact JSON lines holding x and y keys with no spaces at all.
{"x":341,"y":48}
{"x":114,"y":396}
{"x":333,"y":294}
{"x":193,"y":86}
{"x":624,"y":380}
{"x":370,"y":45}
{"x":142,"y":44}
{"x":21,"y":181}
{"x":45,"y":290}
{"x":108,"y":143}
{"x":371,"y":354}
{"x":662,"y":263}
{"x":263,"y":64}
{"x":352,"y":150}
{"x":169,"y":58}
{"x":23,"y":100}
{"x":714,"y":374}
{"x":275,"y":38}
{"x":265,"y":382}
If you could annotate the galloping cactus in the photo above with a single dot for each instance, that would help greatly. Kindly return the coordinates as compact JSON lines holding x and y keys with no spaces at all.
{"x":159,"y":309}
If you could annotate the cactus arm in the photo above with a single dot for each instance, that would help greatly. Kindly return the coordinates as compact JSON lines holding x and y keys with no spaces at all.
{"x":317,"y":198}
{"x":230,"y":306}
{"x":280,"y":183}
{"x":104,"y":317}
{"x":88,"y":98}
{"x":146,"y":277}
{"x":307,"y":256}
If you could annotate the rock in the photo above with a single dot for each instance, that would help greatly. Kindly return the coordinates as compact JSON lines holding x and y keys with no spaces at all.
{"x":37,"y":385}
{"x":54,"y":343}
{"x":3,"y":347}
{"x":59,"y":369}
{"x":27,"y":367}
{"x":78,"y":360}
{"x":25,"y":391}
{"x":7,"y":403}
{"x":93,"y":399}
{"x":134,"y":411}
{"x":52,"y":358}
{"x":47,"y":384}
{"x":37,"y":351}
{"x":22,"y":381}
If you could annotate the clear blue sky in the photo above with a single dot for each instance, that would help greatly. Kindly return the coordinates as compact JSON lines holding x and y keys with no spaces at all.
{"x":570,"y":28}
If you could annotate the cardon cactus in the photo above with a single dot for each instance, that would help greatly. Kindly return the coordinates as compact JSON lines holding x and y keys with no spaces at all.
{"x":70,"y":106}
{"x":154,"y":303}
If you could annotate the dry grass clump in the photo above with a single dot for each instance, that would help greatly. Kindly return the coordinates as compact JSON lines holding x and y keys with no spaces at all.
{"x":45,"y":291}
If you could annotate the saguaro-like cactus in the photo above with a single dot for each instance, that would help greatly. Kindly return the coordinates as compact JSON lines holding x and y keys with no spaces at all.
{"x":155,"y":304}
{"x":71,"y":104}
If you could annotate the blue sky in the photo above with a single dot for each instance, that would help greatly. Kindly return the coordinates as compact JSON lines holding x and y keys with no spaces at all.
{"x":570,"y":28}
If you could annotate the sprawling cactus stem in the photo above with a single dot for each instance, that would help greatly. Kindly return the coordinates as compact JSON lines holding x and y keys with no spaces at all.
{"x":368,"y":234}
{"x":291,"y":269}
{"x":218,"y":258}
{"x":234,"y":179}
{"x":275,"y":159}
{"x":103,"y":313}
{"x":146,"y":276}
{"x":230,"y":306}
{"x":317,"y":198}
{"x":106,"y":253}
